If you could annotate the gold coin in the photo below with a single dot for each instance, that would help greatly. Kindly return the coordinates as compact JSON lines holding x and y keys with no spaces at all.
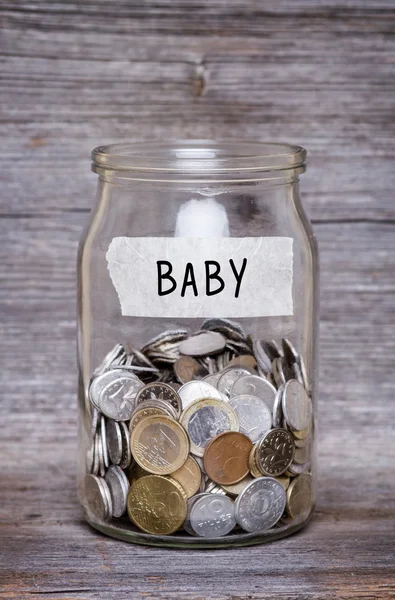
{"x":236,"y":488}
{"x":143,"y":413}
{"x":189,"y":476}
{"x":157,"y":505}
{"x":303,"y":454}
{"x":300,"y":497}
{"x":284,"y":481}
{"x":302,"y":433}
{"x":159,"y":445}
{"x":135,"y":472}
{"x":252,"y":465}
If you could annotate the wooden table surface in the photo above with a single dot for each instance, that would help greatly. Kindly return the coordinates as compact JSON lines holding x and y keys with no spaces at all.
{"x":78,"y":74}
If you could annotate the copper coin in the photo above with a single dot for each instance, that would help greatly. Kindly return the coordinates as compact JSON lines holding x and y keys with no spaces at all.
{"x":187,"y":369}
{"x":226,"y":457}
{"x":243,"y":360}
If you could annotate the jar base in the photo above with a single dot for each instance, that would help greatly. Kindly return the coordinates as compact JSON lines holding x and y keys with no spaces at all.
{"x":180,"y":540}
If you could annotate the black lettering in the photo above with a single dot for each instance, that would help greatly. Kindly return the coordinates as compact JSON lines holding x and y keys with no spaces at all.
{"x":213,"y":275}
{"x":189,"y":279}
{"x":238,"y":276}
{"x":166,"y":275}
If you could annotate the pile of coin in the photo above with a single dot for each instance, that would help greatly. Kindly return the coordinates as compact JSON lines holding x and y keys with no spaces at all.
{"x":207,"y":432}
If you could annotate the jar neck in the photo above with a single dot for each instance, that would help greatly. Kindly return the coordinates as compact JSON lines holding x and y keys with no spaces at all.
{"x":185,"y":180}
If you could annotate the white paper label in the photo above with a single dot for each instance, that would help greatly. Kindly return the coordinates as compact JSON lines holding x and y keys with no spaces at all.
{"x":202,"y":277}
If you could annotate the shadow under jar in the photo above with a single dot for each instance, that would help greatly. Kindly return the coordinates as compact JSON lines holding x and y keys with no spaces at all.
{"x":197,"y":345}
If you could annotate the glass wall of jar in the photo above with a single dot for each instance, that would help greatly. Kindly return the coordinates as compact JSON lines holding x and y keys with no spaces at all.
{"x":198,"y":317}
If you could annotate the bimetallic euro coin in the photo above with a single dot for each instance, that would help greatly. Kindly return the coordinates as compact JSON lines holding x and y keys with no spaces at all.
{"x":159,"y":445}
{"x":206,"y":418}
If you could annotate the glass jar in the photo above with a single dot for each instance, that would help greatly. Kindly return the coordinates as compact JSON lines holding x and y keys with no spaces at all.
{"x":197,"y":345}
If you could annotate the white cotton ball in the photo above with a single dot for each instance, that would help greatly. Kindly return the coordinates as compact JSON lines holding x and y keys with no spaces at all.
{"x":202,"y":218}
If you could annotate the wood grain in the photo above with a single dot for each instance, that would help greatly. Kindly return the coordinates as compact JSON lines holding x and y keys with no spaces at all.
{"x":78,"y":74}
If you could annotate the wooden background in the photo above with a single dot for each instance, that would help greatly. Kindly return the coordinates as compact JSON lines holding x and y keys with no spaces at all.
{"x":78,"y":74}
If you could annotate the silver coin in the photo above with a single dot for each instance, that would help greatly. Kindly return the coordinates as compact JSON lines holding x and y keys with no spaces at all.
{"x":212,"y":379}
{"x":262,"y":358}
{"x":119,"y":486}
{"x":278,"y":372}
{"x":256,"y":386}
{"x":164,"y":337}
{"x":230,"y":329}
{"x":298,"y":469}
{"x":190,"y":503}
{"x":260,"y":505}
{"x":117,"y":399}
{"x":255,"y":417}
{"x":136,"y":368}
{"x":296,"y":405}
{"x":90,"y":458}
{"x":278,"y":407}
{"x":116,"y":355}
{"x":98,"y":498}
{"x":114,"y":441}
{"x":203,"y":343}
{"x":98,"y":384}
{"x":96,"y":464}
{"x":303,"y":453}
{"x":212,"y":516}
{"x":103,"y":433}
{"x":229,"y":377}
{"x":102,"y":468}
{"x":196,"y":390}
{"x":289,"y":351}
{"x":296,"y":373}
{"x":126,"y":453}
{"x":160,"y":391}
{"x":213,"y":488}
{"x":303,"y":371}
{"x":95,"y":420}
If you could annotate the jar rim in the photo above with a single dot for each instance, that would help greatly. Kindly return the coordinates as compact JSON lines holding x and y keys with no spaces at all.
{"x":199,"y":157}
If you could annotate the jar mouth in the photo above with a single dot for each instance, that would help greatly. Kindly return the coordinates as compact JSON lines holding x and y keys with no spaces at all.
{"x":199,"y":157}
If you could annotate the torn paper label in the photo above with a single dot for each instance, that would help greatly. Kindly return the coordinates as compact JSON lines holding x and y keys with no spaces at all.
{"x":202,"y":277}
